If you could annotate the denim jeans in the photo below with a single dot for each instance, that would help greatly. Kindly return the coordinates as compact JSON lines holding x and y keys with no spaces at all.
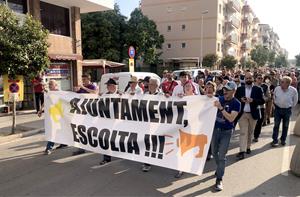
{"x":49,"y":145}
{"x":220,"y":144}
{"x":283,"y":114}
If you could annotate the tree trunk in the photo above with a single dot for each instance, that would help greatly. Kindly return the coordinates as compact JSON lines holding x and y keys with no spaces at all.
{"x":13,"y":128}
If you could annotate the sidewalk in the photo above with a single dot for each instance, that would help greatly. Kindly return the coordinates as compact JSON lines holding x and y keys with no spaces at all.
{"x":28,"y":123}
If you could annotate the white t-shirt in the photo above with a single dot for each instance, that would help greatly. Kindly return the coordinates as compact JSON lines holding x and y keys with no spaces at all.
{"x":137,"y":90}
{"x":179,"y":89}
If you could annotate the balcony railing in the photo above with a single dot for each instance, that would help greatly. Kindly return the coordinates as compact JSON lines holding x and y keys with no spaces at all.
{"x":232,"y":38}
{"x":244,"y":36}
{"x":247,"y":19}
{"x":246,"y":45}
{"x":234,"y":5}
{"x":234,"y":21}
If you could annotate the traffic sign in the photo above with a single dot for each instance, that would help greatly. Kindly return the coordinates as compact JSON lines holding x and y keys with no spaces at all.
{"x":131,"y":52}
{"x":14,"y":88}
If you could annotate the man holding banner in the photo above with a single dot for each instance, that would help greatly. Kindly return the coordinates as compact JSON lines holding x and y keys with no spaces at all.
{"x":228,"y":109}
{"x":111,"y":86}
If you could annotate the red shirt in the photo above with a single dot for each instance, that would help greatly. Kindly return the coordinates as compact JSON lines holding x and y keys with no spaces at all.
{"x":168,"y":86}
{"x":37,"y":85}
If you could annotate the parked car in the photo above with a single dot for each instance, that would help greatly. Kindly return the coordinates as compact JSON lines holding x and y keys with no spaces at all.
{"x":122,"y":78}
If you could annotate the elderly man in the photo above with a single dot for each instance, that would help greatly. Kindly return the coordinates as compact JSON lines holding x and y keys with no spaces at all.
{"x":153,"y":90}
{"x":285,"y":97}
{"x":52,"y":87}
{"x":112,"y":89}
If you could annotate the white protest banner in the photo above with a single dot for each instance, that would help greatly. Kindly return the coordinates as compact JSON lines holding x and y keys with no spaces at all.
{"x":169,"y":132}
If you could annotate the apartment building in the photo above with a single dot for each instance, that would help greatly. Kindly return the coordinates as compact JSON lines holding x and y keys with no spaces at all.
{"x":269,"y":39}
{"x":194,"y":28}
{"x":62,"y":19}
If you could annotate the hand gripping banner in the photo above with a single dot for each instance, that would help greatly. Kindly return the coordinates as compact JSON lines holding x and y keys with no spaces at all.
{"x":169,"y":132}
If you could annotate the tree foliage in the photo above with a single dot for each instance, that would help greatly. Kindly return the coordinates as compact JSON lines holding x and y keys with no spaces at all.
{"x":246,"y":63}
{"x":103,"y":35}
{"x":142,"y":34}
{"x":108,"y":35}
{"x":281,"y":61}
{"x":297,"y":60}
{"x":272,"y":56}
{"x":23,"y":47}
{"x":210,"y":60}
{"x":228,"y":61}
{"x":260,"y":55}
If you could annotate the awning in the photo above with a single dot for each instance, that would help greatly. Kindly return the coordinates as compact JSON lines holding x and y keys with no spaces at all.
{"x":65,"y":57}
{"x":101,"y":63}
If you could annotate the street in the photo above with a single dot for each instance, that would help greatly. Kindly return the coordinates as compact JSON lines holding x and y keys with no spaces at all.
{"x":25,"y":171}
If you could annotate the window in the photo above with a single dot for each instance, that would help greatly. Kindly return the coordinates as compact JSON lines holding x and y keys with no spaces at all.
{"x":55,"y":19}
{"x":219,"y":47}
{"x":183,"y":45}
{"x":183,"y":27}
{"x":219,"y":28}
{"x":169,"y":46}
{"x":169,"y":28}
{"x":220,"y":8}
{"x":18,"y":6}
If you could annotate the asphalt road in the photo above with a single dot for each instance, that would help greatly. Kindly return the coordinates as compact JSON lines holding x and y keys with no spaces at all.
{"x":25,"y":171}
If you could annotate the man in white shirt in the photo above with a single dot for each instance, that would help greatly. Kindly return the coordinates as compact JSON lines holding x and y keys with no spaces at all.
{"x":285,"y":98}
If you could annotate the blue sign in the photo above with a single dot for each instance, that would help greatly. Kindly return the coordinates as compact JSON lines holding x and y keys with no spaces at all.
{"x":131,"y":52}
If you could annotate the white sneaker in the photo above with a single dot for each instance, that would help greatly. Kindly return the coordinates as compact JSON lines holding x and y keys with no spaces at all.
{"x":219,"y":185}
{"x":47,"y":152}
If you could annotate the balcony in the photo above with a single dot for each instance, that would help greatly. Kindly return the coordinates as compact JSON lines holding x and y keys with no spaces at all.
{"x":232,"y":38}
{"x":85,"y":6}
{"x":245,"y":36}
{"x":246,"y":45}
{"x":234,"y":6}
{"x":248,"y":19}
{"x":234,"y":21}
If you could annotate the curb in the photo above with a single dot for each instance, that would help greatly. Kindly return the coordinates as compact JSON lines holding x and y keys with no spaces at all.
{"x":20,"y":135}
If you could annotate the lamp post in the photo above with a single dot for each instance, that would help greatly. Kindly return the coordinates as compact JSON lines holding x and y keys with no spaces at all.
{"x":201,"y":44}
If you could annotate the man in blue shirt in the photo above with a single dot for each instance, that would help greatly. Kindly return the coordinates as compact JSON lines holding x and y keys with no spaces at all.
{"x":228,"y":109}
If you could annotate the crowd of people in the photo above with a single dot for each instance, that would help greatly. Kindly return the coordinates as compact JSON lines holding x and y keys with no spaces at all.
{"x":245,"y":98}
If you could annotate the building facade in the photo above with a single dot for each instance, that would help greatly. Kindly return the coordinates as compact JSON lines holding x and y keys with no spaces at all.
{"x":62,"y":19}
{"x":195,"y":28}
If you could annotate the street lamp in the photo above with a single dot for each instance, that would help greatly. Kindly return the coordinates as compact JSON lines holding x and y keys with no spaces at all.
{"x":201,"y":44}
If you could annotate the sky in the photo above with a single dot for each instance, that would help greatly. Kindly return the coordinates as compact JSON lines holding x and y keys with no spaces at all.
{"x":282,"y":15}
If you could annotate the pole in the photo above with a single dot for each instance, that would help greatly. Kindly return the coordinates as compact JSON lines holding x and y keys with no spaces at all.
{"x":201,"y":44}
{"x":13,"y":128}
